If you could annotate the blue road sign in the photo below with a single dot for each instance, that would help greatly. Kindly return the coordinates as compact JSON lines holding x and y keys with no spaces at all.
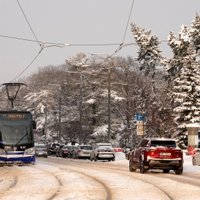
{"x":139,"y":117}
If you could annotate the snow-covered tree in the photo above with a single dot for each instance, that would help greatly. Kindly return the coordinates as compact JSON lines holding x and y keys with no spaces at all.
{"x":183,"y":70}
{"x":149,"y":54}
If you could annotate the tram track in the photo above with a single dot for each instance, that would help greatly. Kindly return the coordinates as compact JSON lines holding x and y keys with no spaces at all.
{"x":25,"y":184}
{"x":101,"y":187}
{"x":7,"y":182}
{"x":170,"y":184}
{"x":85,"y":180}
{"x":120,"y":174}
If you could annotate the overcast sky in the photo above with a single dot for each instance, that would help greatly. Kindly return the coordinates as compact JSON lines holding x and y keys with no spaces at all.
{"x":79,"y":22}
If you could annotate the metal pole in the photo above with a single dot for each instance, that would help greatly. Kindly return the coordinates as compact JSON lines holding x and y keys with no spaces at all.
{"x":59,"y":117}
{"x":109,"y":102}
{"x":45,"y":121}
{"x":81,"y":105}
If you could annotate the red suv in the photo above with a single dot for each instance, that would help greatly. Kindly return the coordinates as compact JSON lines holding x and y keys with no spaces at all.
{"x":157,"y":153}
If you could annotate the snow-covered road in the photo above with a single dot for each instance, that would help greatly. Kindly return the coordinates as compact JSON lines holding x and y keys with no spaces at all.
{"x":67,"y":179}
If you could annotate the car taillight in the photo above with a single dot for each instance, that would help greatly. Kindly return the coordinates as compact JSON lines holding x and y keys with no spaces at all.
{"x":179,"y":153}
{"x":151,"y":153}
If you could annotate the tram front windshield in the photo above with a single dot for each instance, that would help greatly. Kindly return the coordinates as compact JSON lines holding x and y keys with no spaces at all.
{"x":15,"y":132}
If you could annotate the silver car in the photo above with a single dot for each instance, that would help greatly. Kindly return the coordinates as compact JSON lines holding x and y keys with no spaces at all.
{"x":102,"y":151}
{"x":41,"y":150}
{"x":82,"y":151}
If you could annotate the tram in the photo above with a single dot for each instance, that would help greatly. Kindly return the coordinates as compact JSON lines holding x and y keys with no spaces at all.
{"x":16,"y":134}
{"x":16,"y":138}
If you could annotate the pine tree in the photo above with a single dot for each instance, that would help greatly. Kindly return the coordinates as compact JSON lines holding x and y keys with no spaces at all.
{"x":149,"y":54}
{"x":183,"y":69}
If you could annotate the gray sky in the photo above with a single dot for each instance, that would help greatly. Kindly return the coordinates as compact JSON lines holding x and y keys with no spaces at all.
{"x":81,"y":22}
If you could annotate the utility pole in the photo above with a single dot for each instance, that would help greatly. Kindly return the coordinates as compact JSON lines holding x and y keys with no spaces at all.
{"x":59,"y":117}
{"x":109,"y":102}
{"x":81,"y":105}
{"x":45,"y":122}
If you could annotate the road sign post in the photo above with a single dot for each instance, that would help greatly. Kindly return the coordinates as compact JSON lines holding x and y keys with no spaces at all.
{"x":140,"y":124}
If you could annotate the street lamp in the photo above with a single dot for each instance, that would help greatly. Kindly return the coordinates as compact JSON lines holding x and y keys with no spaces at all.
{"x":12,"y":90}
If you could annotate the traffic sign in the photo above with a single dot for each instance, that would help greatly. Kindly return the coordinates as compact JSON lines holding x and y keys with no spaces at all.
{"x":140,"y":128}
{"x":139,"y":117}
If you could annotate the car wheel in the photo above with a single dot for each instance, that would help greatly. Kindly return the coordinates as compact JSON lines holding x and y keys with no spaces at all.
{"x":179,"y":170}
{"x":193,"y":161}
{"x":142,"y":168}
{"x":131,"y":168}
{"x":165,"y":171}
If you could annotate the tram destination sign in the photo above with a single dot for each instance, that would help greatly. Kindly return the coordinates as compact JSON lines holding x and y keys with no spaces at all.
{"x":14,"y":116}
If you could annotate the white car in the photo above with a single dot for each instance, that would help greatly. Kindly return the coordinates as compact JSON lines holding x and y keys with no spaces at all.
{"x":102,"y":151}
{"x":82,"y":151}
{"x":196,"y":157}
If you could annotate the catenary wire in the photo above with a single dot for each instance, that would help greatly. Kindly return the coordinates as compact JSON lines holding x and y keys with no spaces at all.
{"x":128,"y":21}
{"x":33,"y":60}
{"x":28,"y":21}
{"x":58,"y":44}
{"x":122,"y":43}
{"x":48,"y":44}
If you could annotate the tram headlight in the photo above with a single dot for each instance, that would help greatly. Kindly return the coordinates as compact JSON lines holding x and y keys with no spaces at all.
{"x":2,"y":152}
{"x":30,"y":151}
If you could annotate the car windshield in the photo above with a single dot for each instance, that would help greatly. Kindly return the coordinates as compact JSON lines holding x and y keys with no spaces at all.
{"x":86,"y":147}
{"x":163,"y":143}
{"x":40,"y":146}
{"x":67,"y":147}
{"x":105,"y":147}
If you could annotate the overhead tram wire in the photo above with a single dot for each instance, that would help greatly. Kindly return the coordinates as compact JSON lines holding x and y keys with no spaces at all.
{"x":28,"y":22}
{"x":33,"y":60}
{"x":109,"y":73}
{"x":62,"y":45}
{"x":133,"y":1}
{"x":41,"y":45}
{"x":121,"y":45}
{"x":44,"y":45}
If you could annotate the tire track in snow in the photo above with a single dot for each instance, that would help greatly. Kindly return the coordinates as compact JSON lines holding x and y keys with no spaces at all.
{"x":31,"y":184}
{"x":125,"y":188}
{"x":8,"y":181}
{"x":190,"y":184}
{"x":77,"y":185}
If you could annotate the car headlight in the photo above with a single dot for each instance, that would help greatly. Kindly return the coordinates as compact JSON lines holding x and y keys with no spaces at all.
{"x":2,"y":152}
{"x":30,"y":151}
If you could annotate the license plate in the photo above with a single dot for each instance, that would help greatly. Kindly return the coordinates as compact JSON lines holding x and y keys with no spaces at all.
{"x":165,"y":154}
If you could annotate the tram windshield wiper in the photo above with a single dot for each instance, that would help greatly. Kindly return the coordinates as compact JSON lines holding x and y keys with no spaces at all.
{"x":26,"y":134}
{"x":1,"y":141}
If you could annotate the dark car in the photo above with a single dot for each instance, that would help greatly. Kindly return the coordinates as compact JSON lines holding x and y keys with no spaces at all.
{"x":41,"y":150}
{"x":82,"y":151}
{"x":67,"y":151}
{"x":54,"y":148}
{"x":157,"y":153}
